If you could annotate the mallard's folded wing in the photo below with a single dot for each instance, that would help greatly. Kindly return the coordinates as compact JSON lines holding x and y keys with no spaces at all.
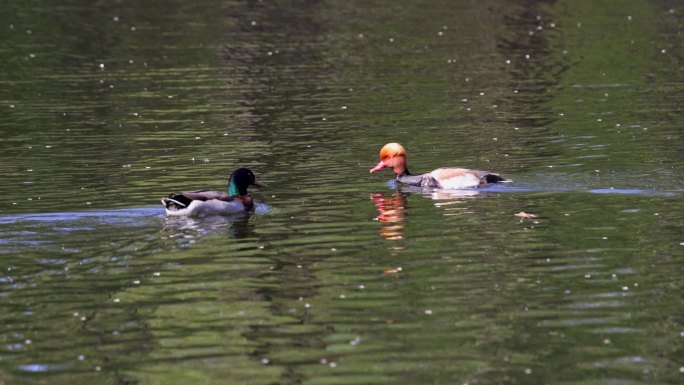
{"x":205,"y":195}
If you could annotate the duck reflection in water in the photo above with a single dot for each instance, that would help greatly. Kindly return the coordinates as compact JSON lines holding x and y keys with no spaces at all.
{"x":391,"y":213}
{"x":236,"y":226}
{"x":392,"y":209}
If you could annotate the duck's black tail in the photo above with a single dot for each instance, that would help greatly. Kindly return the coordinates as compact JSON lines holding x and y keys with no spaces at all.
{"x":494,"y":178}
{"x":176,"y":202}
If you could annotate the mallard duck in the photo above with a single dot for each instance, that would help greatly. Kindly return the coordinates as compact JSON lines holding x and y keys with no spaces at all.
{"x":207,"y":202}
{"x":394,"y":155}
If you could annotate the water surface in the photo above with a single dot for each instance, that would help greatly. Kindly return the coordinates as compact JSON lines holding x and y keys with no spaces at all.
{"x":339,"y":276}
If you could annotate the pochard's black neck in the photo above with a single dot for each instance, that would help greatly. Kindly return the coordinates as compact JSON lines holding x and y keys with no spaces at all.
{"x":412,"y":180}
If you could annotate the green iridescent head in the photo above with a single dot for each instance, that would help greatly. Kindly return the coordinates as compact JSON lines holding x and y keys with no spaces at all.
{"x":240,"y":179}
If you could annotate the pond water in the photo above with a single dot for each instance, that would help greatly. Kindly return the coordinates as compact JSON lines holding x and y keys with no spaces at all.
{"x":341,"y":276}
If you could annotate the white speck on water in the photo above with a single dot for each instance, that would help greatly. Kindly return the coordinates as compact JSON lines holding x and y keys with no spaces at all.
{"x":84,"y":318}
{"x":265,"y":361}
{"x":324,"y":361}
{"x":681,"y":369}
{"x":391,"y":40}
{"x":355,"y":341}
{"x":342,"y":296}
{"x":333,"y":364}
{"x":428,"y":312}
{"x":599,"y":120}
{"x":361,"y":287}
{"x":606,"y":341}
{"x":333,"y":249}
{"x":552,"y":25}
{"x":587,"y":275}
{"x":136,"y":282}
{"x":440,"y":33}
{"x":528,"y":371}
{"x":102,"y":66}
{"x":81,"y":357}
{"x":495,"y":139}
{"x":28,"y":342}
{"x":629,"y":18}
{"x":98,"y":368}
{"x":117,"y":300}
{"x":625,"y":288}
{"x":344,"y":107}
{"x":482,"y":94}
{"x":75,"y":314}
{"x":115,"y":18}
{"x":133,"y":28}
{"x":508,"y":61}
{"x":253,"y":23}
{"x":156,"y":274}
{"x":307,"y":305}
{"x":527,"y":56}
{"x":604,"y":238}
{"x":12,"y":106}
{"x":516,"y":128}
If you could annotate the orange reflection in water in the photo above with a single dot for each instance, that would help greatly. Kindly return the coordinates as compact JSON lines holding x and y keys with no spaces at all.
{"x":392,"y":212}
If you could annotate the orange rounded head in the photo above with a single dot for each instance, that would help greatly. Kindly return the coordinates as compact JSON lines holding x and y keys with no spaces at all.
{"x":392,"y":155}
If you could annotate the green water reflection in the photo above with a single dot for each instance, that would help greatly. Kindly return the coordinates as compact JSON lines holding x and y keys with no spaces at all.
{"x":339,"y":277}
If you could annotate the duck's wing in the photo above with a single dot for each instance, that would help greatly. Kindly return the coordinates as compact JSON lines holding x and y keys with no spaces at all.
{"x":463,"y":177}
{"x":206,"y":195}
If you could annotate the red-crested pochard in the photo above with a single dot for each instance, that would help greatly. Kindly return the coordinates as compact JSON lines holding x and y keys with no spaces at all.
{"x":393,"y":155}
